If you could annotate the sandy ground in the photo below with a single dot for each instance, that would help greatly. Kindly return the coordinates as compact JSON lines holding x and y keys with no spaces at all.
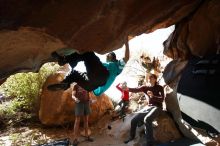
{"x":34,"y":136}
{"x":103,"y":140}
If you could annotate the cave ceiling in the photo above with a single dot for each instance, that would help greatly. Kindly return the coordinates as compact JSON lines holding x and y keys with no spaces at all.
{"x":31,"y":29}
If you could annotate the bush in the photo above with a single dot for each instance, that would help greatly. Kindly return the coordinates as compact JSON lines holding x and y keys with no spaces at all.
{"x":24,"y":88}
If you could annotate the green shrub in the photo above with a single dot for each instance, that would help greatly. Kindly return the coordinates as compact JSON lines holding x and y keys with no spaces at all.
{"x":23,"y":89}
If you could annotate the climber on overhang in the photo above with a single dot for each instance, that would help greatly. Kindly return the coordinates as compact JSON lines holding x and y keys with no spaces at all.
{"x":98,"y":76}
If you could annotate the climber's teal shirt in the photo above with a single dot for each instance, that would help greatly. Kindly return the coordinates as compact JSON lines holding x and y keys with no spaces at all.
{"x":114,"y":68}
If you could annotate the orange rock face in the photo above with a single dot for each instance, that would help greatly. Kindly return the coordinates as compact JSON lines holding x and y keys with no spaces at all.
{"x":30,"y":30}
{"x":197,"y":34}
{"x":164,"y":129}
{"x":57,"y":107}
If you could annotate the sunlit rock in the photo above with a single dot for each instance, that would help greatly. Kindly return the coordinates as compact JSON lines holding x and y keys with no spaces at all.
{"x":164,"y":129}
{"x":57,"y":107}
{"x":100,"y":26}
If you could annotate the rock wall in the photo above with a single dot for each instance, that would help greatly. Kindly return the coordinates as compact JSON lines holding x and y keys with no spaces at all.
{"x":93,"y":25}
{"x":25,"y":49}
{"x":197,"y":34}
{"x":57,"y":107}
{"x":164,"y":129}
{"x":31,"y":29}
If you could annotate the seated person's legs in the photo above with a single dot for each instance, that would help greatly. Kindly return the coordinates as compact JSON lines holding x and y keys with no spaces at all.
{"x":148,"y":119}
{"x":134,"y":122}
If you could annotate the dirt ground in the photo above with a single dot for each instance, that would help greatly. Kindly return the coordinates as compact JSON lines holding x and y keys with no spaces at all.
{"x":35,"y":135}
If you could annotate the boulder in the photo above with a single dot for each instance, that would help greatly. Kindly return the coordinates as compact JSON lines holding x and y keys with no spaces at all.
{"x":164,"y":129}
{"x":30,"y":29}
{"x":57,"y":107}
{"x":198,"y":34}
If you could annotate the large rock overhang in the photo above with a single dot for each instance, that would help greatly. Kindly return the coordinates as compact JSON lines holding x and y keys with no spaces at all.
{"x":31,"y":29}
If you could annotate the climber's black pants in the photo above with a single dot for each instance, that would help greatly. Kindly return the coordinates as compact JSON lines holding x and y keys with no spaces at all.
{"x":96,"y":74}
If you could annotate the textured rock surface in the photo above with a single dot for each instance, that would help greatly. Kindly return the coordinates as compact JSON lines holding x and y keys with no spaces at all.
{"x":57,"y":108}
{"x":164,"y":129}
{"x":25,"y":49}
{"x":93,"y":25}
{"x":197,"y":34}
{"x":31,"y":29}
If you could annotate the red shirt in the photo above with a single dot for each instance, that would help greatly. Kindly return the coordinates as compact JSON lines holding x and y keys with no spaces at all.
{"x":125,"y":93}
